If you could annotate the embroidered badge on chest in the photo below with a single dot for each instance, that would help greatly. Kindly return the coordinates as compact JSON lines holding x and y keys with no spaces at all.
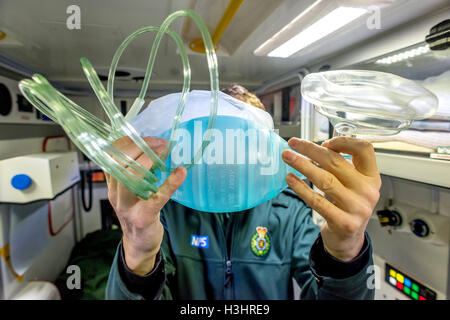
{"x":260,"y":242}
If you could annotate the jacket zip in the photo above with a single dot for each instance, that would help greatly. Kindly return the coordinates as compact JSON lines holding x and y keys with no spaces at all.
{"x":228,"y":271}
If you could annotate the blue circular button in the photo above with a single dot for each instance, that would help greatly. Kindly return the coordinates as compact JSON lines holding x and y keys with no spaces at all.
{"x":21,"y":181}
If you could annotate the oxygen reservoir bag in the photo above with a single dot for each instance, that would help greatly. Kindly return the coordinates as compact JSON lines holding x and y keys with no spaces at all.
{"x":240,"y":168}
{"x":232,"y":155}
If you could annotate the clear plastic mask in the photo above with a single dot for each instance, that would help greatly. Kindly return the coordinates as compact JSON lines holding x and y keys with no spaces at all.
{"x":359,"y":102}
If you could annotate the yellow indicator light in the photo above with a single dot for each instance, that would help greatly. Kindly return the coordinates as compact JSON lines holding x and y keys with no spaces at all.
{"x":400,"y":278}
{"x":392,"y":273}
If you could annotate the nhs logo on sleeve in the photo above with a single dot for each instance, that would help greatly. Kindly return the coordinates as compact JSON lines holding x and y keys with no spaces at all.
{"x":199,"y":241}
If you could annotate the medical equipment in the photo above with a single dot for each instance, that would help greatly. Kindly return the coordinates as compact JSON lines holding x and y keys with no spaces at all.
{"x":37,"y":176}
{"x":413,"y":238}
{"x":95,"y":138}
{"x":416,"y":243}
{"x":31,"y":236}
{"x":37,"y":208}
{"x":368,"y":102}
{"x":239,"y":169}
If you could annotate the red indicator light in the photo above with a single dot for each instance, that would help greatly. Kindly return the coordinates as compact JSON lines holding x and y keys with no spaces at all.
{"x":400,"y":285}
{"x":422,"y":298}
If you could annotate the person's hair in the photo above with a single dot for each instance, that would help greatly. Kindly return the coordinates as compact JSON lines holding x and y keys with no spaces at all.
{"x":239,"y":92}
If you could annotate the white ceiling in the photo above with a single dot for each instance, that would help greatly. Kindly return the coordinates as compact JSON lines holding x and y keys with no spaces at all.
{"x":39,"y":40}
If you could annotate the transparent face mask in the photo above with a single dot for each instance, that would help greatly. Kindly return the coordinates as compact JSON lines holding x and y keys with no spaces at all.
{"x":211,"y":184}
{"x":360,"y":102}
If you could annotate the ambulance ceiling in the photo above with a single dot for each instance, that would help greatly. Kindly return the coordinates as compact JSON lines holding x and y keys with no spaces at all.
{"x":38,"y":39}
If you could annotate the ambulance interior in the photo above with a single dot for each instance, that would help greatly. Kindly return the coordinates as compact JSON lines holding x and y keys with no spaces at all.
{"x":56,"y":217}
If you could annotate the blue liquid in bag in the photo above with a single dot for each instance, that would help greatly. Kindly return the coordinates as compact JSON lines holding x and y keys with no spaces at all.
{"x":240,"y":169}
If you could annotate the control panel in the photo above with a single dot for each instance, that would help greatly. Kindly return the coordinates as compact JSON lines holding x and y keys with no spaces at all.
{"x":413,"y":289}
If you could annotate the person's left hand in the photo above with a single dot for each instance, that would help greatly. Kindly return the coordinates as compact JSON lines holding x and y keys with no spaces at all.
{"x":353,"y":190}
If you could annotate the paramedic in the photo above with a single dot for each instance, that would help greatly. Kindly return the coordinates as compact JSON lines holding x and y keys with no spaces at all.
{"x":169,"y":251}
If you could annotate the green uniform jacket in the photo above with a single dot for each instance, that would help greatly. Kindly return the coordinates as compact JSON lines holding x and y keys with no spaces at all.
{"x":224,"y":266}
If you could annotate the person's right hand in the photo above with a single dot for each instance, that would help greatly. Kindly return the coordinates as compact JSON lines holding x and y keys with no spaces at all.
{"x":139,"y":219}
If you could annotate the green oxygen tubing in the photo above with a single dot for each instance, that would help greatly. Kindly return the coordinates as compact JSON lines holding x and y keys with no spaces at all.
{"x":95,"y":138}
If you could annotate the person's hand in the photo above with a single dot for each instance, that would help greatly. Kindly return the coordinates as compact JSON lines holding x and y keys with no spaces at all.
{"x":139,"y":219}
{"x":353,"y":190}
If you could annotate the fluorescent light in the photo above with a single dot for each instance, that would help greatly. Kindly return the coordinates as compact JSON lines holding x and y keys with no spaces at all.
{"x":304,"y":13}
{"x":330,"y":23}
{"x":404,"y":55}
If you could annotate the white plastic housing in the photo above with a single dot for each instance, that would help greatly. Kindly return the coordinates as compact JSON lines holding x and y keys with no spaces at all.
{"x":50,"y":174}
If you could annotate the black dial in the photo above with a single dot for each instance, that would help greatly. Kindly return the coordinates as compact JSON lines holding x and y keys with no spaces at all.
{"x":420,"y":228}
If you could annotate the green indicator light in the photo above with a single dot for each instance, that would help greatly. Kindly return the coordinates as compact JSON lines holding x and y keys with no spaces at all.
{"x":415,"y":287}
{"x":407,"y":290}
{"x":415,"y":295}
